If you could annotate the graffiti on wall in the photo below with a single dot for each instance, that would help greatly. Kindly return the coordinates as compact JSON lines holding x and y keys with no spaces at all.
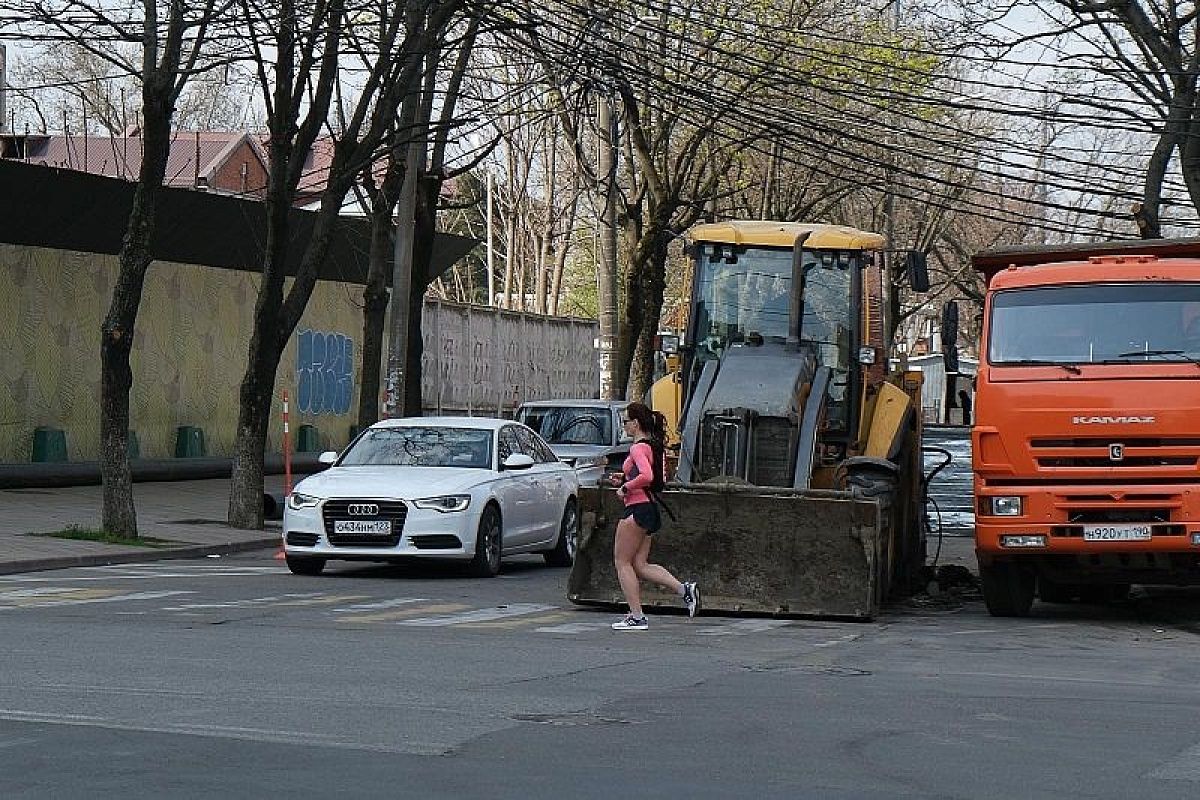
{"x":324,"y":372}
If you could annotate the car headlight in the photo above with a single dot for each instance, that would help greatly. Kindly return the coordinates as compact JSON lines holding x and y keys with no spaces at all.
{"x":297,"y":501}
{"x":1006,"y":506}
{"x":449,"y":502}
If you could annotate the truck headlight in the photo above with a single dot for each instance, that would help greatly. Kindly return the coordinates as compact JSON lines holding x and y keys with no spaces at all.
{"x":297,"y":501}
{"x":445,"y":503}
{"x":1006,"y":506}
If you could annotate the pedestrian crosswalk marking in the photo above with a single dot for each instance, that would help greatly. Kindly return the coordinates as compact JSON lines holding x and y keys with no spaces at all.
{"x":574,"y":627}
{"x":74,"y":597}
{"x":321,"y":600}
{"x":403,"y":613}
{"x":250,"y":602}
{"x":381,"y":605}
{"x":742,"y":627}
{"x":478,"y":615}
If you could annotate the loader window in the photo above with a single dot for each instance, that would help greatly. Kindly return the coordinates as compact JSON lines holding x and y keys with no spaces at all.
{"x":739,"y":293}
{"x":826,"y":324}
{"x":1109,"y":323}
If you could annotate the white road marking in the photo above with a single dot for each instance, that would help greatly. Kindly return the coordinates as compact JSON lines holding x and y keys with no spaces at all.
{"x":142,"y":575}
{"x":250,"y":602}
{"x":20,"y":594}
{"x":399,"y":601}
{"x":118,"y":598}
{"x":1184,"y":767}
{"x":478,"y":615}
{"x":219,"y":731}
{"x":574,"y":627}
{"x":742,"y":627}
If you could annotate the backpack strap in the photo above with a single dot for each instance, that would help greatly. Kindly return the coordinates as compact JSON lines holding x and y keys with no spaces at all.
{"x":662,"y":504}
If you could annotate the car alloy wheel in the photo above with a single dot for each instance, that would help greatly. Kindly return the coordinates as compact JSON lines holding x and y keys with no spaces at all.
{"x":563,"y":554}
{"x":488,"y":544}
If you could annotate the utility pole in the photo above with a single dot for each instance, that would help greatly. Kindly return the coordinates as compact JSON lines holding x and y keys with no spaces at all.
{"x":890,"y":266}
{"x":606,"y":123}
{"x":402,"y":264}
{"x":491,"y":241}
{"x":3,"y":92}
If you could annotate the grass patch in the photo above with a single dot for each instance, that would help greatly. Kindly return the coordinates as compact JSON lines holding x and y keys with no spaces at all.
{"x":94,"y":535}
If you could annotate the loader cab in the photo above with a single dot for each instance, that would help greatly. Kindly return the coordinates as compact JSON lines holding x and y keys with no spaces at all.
{"x":744,"y":295}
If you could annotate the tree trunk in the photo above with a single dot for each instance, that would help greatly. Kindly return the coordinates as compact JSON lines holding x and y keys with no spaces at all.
{"x":258,"y":381}
{"x":652,"y":287}
{"x":375,"y":303}
{"x":119,"y":515}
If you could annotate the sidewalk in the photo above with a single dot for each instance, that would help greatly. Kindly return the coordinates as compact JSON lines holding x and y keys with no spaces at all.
{"x":191,"y":514}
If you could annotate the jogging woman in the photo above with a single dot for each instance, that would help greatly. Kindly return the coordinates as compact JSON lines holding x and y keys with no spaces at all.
{"x":641,"y":520}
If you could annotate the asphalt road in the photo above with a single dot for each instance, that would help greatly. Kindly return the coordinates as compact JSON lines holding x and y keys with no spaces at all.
{"x":232,"y":678}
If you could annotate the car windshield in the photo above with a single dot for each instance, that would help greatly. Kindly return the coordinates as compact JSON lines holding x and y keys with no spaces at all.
{"x":570,"y":424}
{"x":422,"y":446}
{"x":1095,"y":324}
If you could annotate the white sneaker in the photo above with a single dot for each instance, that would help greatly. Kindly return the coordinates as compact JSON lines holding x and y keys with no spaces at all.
{"x":631,"y":623}
{"x":691,"y":597}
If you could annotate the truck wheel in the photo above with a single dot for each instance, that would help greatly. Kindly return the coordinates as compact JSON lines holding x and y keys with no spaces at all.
{"x":1054,"y":592}
{"x":1007,"y":589}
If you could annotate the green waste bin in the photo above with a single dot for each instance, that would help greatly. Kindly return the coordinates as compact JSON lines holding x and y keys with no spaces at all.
{"x":133,"y":448}
{"x":189,"y":442}
{"x":308,"y":439}
{"x":49,"y":444}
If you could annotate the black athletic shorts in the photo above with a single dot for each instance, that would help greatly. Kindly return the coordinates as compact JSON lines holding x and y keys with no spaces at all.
{"x":645,"y":515}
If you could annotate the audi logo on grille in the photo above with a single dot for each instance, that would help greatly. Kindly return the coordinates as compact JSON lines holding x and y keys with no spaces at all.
{"x":363,"y":509}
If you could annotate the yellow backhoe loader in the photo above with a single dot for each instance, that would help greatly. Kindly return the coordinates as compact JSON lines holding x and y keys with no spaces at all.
{"x":797,"y":484}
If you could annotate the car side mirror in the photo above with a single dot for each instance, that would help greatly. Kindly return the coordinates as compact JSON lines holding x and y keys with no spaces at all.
{"x":328,"y":457}
{"x":517,"y":461}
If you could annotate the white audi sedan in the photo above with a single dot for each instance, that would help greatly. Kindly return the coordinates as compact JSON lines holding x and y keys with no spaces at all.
{"x":468,"y":488}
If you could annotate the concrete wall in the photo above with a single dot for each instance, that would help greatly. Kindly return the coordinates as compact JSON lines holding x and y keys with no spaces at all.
{"x":190,"y":352}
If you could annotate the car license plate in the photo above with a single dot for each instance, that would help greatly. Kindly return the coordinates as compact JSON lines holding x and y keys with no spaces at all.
{"x":362,"y":526}
{"x":1116,"y":533}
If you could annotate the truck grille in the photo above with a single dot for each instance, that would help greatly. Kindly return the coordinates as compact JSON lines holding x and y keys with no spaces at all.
{"x":393,"y":511}
{"x":1092,"y":452}
{"x":1125,"y":463}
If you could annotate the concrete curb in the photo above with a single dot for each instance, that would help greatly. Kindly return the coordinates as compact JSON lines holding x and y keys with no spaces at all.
{"x":148,"y":554}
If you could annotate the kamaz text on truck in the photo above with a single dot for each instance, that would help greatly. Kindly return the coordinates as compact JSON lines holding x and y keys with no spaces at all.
{"x":1086,"y":443}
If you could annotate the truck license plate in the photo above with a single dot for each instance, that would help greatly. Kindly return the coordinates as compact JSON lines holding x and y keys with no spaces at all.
{"x":362,"y":526}
{"x":1116,"y":533}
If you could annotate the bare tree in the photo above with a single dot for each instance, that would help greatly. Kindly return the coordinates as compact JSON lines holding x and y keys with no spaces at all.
{"x":168,"y":41}
{"x":308,"y":39}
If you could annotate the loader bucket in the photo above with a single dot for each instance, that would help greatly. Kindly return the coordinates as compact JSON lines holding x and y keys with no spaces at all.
{"x":752,"y":550}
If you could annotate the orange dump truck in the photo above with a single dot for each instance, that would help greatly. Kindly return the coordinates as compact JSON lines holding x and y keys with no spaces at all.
{"x":1086,"y":443}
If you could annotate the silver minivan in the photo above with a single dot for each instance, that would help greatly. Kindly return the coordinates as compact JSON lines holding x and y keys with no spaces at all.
{"x":587,"y":434}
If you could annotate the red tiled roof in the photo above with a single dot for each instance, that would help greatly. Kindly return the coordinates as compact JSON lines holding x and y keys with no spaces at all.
{"x":193,"y":154}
